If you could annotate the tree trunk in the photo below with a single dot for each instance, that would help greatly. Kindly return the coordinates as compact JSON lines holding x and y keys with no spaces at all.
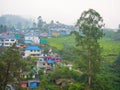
{"x":2,"y":87}
{"x":89,"y":74}
{"x":89,"y":81}
{"x":6,"y":77}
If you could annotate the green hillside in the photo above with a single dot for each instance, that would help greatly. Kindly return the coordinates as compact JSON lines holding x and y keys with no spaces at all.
{"x":59,"y":42}
{"x":110,"y":48}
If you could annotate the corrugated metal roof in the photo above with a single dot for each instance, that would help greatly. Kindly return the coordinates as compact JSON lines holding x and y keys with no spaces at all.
{"x":50,"y":61}
{"x":7,"y":37}
{"x":43,"y":41}
{"x":28,"y":41}
{"x":33,"y":48}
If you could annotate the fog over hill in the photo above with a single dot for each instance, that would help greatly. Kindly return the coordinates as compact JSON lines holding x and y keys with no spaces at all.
{"x":14,"y":20}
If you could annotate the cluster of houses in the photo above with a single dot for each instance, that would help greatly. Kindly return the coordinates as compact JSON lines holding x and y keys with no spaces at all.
{"x":46,"y":61}
{"x":33,"y":36}
{"x":54,"y":30}
{"x":59,"y":29}
{"x":7,"y":40}
{"x":30,"y":47}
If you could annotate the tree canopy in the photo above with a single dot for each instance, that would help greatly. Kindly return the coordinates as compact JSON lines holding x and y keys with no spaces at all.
{"x":90,"y":26}
{"x":10,"y":66}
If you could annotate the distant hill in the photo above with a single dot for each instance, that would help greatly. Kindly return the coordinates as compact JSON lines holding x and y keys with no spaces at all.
{"x":13,"y":20}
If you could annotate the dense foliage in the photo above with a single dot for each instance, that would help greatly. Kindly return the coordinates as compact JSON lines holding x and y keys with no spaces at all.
{"x":10,"y":66}
{"x":108,"y":76}
{"x":96,"y":59}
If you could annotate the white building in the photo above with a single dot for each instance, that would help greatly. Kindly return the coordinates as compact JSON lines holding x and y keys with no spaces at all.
{"x":32,"y":51}
{"x":34,"y":39}
{"x":0,"y":42}
{"x":41,"y":63}
{"x":7,"y":40}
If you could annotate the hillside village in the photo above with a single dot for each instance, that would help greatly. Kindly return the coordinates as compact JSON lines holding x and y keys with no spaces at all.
{"x":31,"y":44}
{"x":40,"y":55}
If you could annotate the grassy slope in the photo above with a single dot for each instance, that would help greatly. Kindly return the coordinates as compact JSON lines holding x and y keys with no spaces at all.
{"x":59,"y":42}
{"x":109,"y":46}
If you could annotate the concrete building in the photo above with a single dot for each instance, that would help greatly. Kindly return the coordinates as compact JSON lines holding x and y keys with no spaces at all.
{"x":32,"y":51}
{"x":34,"y":39}
{"x":7,"y":40}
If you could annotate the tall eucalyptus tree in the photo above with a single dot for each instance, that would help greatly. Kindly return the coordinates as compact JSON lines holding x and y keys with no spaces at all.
{"x":90,"y":26}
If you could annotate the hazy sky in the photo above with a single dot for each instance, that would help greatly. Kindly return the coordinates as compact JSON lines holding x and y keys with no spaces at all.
{"x":64,"y":11}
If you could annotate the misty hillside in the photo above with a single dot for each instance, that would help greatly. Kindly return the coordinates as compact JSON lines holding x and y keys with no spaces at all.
{"x":14,"y":20}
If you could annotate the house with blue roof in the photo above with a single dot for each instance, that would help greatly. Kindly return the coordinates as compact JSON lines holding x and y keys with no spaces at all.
{"x":32,"y":51}
{"x":63,"y":33}
{"x":50,"y":62}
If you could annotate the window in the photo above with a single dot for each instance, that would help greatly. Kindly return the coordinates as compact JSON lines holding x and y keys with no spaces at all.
{"x":6,"y":43}
{"x":32,"y":54}
{"x":40,"y":59}
{"x":7,"y":40}
{"x":12,"y":40}
{"x":38,"y":54}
